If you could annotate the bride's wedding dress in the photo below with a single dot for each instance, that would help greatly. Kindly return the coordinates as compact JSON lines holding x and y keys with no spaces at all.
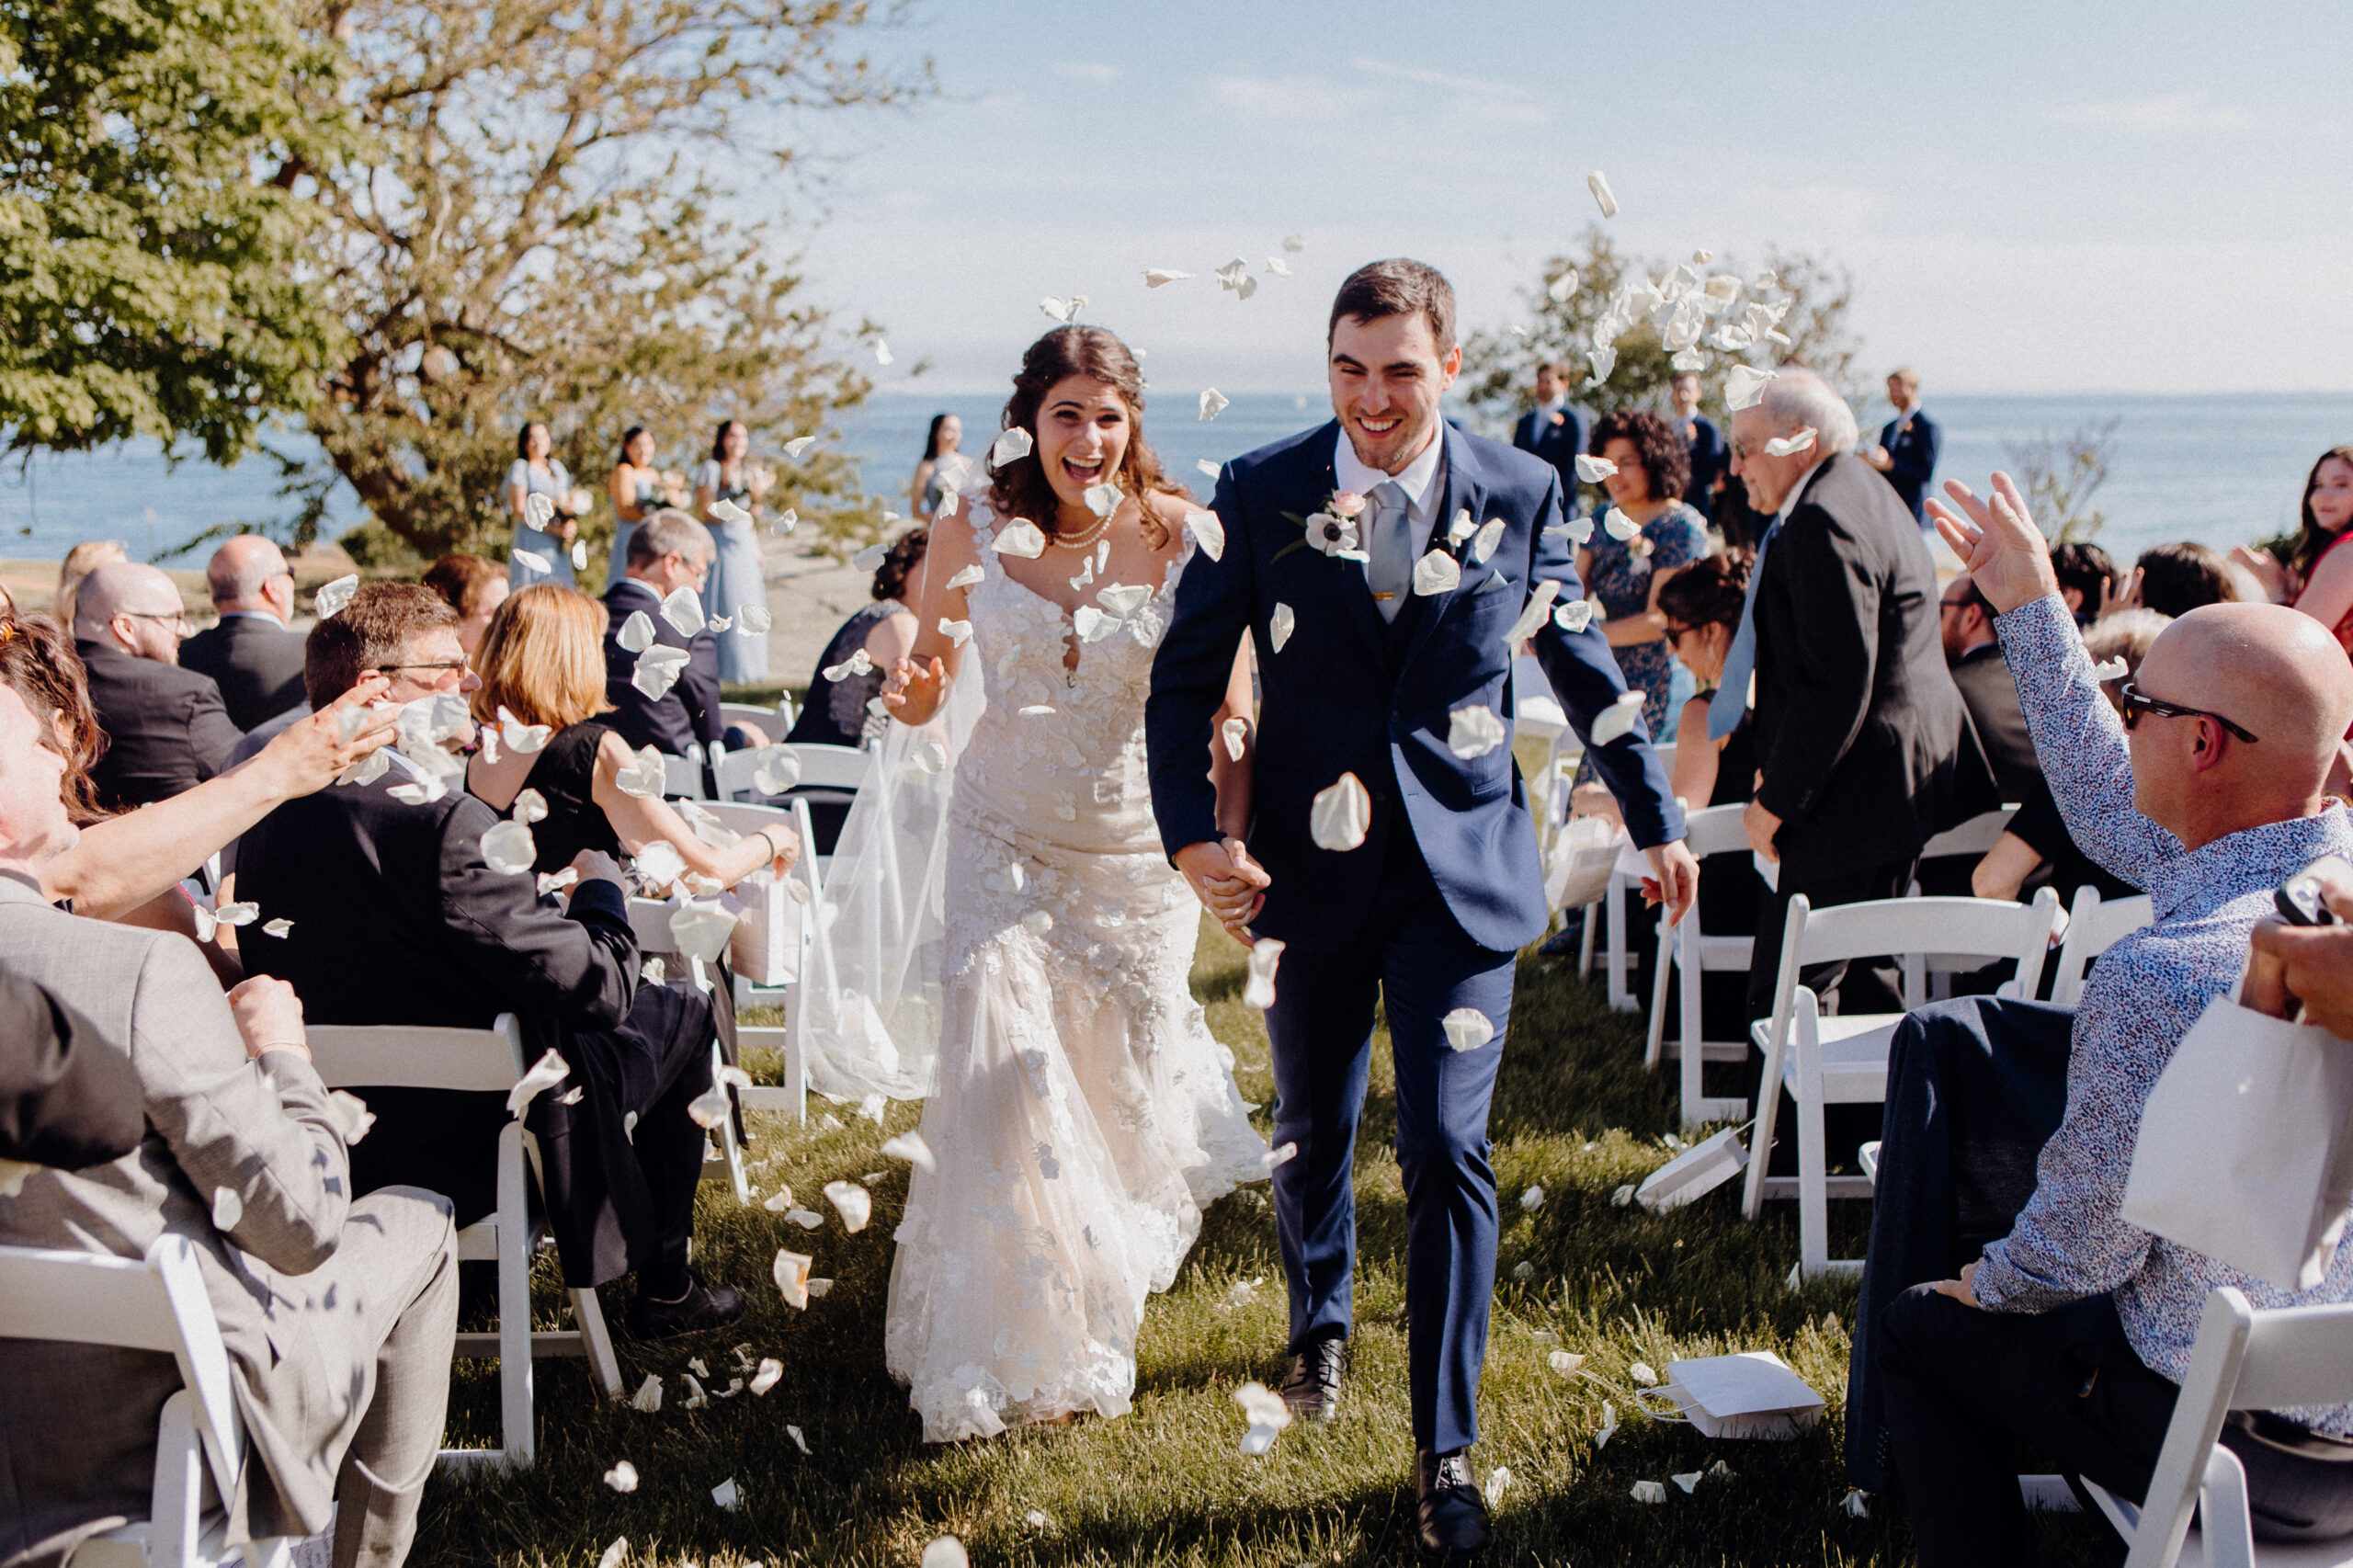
{"x":1080,"y":1113}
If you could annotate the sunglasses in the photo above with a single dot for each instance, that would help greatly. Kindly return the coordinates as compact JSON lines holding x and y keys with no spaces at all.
{"x":2137,"y":702}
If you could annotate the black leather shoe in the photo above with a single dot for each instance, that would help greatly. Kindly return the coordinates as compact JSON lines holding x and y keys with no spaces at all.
{"x":702,"y":1307}
{"x":1451,"y":1517}
{"x":1311,"y":1387}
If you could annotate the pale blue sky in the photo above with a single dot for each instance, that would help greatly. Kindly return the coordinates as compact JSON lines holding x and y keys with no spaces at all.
{"x":2034,"y":198}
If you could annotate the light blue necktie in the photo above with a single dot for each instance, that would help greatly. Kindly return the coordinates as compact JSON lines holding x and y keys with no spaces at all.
{"x":1731,"y":700}
{"x":1389,"y":543}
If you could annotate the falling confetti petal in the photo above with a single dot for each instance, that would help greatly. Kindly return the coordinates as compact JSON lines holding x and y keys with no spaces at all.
{"x":1609,"y":1426}
{"x":792,"y":1277}
{"x":658,"y":670}
{"x":1649,"y":1491}
{"x":350,"y":1115}
{"x":1235,"y":733}
{"x":1564,"y":1362}
{"x":776,"y":769}
{"x":1213,"y":403}
{"x":1641,"y":1373}
{"x":1101,"y":499}
{"x":1474,"y":732}
{"x":958,"y":632}
{"x":859,"y":663}
{"x":1858,"y":1505}
{"x":617,"y":1552}
{"x":966,"y":578}
{"x":1593,"y":469}
{"x":909,"y":1146}
{"x":682,"y":608}
{"x":870,"y":558}
{"x":648,"y":1397}
{"x":808,"y":1220}
{"x":1022,"y":538}
{"x":1483,"y":542}
{"x":1744,"y":386}
{"x":1467,"y":1028}
{"x":1209,"y":532}
{"x":636,"y":634}
{"x":1603,"y":360}
{"x":1267,"y":1415}
{"x":881,"y":352}
{"x":1280,"y":625}
{"x":1619,"y":719}
{"x":237,"y":914}
{"x":1207,"y":467}
{"x":550,"y":1070}
{"x":1622,"y":1196}
{"x":799,"y":1440}
{"x":1619,"y":526}
{"x":642,"y":779}
{"x":531,"y":561}
{"x":946,"y":1553}
{"x":1539,"y":605}
{"x":796,"y":447}
{"x":1282,"y":1155}
{"x":1498,"y":1483}
{"x":1339,"y":816}
{"x":726,"y":1494}
{"x":1532,"y":1199}
{"x":771,"y":1372}
{"x":1792,"y":445}
{"x":1437,"y":573}
{"x":1562,"y":288}
{"x":1574,"y":616}
{"x":622,"y":1477}
{"x":1688,"y":1480}
{"x":1278,"y":267}
{"x":752,"y":620}
{"x":227,"y":1209}
{"x":1153,"y":277}
{"x":1599,"y":185}
{"x":507,"y":848}
{"x":1294,"y":243}
{"x":2110,"y":669}
{"x":1011,"y":447}
{"x":331,"y":598}
{"x":1266,"y":954}
{"x":854,"y":1203}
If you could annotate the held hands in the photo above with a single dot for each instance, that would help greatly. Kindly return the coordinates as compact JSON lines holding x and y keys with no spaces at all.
{"x":270,"y":1017}
{"x":2004,"y":554}
{"x":310,"y":754}
{"x":1230,"y":884}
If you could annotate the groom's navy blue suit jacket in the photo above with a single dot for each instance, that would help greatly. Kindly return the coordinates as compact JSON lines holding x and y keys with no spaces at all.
{"x":1350,"y":692}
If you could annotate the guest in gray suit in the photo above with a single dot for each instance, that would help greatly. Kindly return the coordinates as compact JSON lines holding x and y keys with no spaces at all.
{"x":338,"y":1315}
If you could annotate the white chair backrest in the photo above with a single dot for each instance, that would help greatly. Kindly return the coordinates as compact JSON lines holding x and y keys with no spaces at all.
{"x":419,"y":1056}
{"x":650,"y":918}
{"x":822,"y":768}
{"x":682,"y":776}
{"x":156,"y":1304}
{"x":1715,"y":830}
{"x":2297,"y":1356}
{"x":1989,"y":928}
{"x":750,"y":714}
{"x":1975,"y":836}
{"x":2094,"y":926}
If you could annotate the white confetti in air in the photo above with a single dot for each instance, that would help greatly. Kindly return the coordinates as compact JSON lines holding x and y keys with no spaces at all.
{"x":1593,"y":469}
{"x":1037,"y":923}
{"x":1687,"y":360}
{"x":331,"y":598}
{"x":1282,"y":1155}
{"x":1598,"y":184}
{"x":1206,"y":467}
{"x":1340,"y":816}
{"x":1266,"y":956}
{"x":1532,"y":1199}
{"x":1649,"y":1491}
{"x":1574,"y":616}
{"x":682,"y":608}
{"x":930,"y":757}
{"x":807,"y":1219}
{"x":2110,"y":669}
{"x":702,"y":929}
{"x":1619,"y":526}
{"x":1564,"y":1362}
{"x":1101,"y":499}
{"x":636,"y":634}
{"x":237,"y":914}
{"x":1209,"y":532}
{"x":799,"y":445}
{"x":1562,"y":288}
{"x":1622,"y":1196}
{"x":622,"y":1477}
{"x":648,"y":1398}
{"x":1213,"y":403}
{"x":1460,"y":528}
{"x":776,"y":769}
{"x":642,"y":779}
{"x":1609,"y":1426}
{"x":1294,"y":243}
{"x":1153,"y":277}
{"x":545,"y":1074}
{"x":532,"y":561}
{"x":1279,"y":626}
{"x":1792,"y":445}
{"x":859,"y":663}
{"x":1472,"y":732}
{"x":727,"y":1494}
{"x":881,"y":352}
{"x":1858,"y":1505}
{"x":1579,"y":529}
{"x":771,"y":1373}
{"x":909,"y":1146}
{"x":422,"y":793}
{"x":1235,"y":734}
{"x":1020,"y":538}
{"x":1538,"y":606}
{"x":1744,"y":385}
{"x":1267,"y":1415}
{"x":1641,"y":1372}
{"x":1467,"y":1028}
{"x":958,"y":632}
{"x":726,"y":511}
{"x":1483,"y":542}
{"x":619,"y":1551}
{"x":538,"y":510}
{"x":1688,"y":1480}
{"x":853,"y":1202}
{"x":966,"y":578}
{"x":522,"y":739}
{"x":1437,"y":573}
{"x":227,"y":1209}
{"x":1498,"y":1483}
{"x":792,"y":1278}
{"x":580,"y":555}
{"x":945,"y":1553}
{"x":1619,"y":719}
{"x":1603,"y":360}
{"x":507,"y":848}
{"x":658,"y":670}
{"x":367,"y":770}
{"x":1011,"y":447}
{"x":752,"y":620}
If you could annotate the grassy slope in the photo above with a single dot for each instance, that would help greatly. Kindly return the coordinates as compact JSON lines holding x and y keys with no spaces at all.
{"x":1573,"y":1113}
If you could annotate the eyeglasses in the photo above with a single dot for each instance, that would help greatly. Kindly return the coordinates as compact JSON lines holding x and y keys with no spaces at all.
{"x":442,"y":669}
{"x":1943,"y":604}
{"x":177,"y":618}
{"x":2137,"y":702}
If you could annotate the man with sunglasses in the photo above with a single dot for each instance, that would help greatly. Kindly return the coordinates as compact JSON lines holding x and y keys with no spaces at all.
{"x":166,"y":728}
{"x":2072,"y":1328}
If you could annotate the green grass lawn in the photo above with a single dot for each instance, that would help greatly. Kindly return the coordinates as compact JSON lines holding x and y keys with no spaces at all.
{"x":1166,"y":1484}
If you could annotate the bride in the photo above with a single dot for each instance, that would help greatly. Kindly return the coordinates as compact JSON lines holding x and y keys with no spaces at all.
{"x":1080,"y":1114}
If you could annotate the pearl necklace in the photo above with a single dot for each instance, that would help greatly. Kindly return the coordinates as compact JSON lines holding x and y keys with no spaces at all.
{"x":1080,"y":542}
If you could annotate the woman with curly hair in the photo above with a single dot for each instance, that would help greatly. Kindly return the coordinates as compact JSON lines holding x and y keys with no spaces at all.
{"x":1648,"y":533}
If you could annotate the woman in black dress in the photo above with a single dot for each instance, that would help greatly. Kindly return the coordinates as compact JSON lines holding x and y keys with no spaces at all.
{"x":841,"y":696}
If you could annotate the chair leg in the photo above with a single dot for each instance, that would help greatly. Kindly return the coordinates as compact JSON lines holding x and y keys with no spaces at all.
{"x":588,"y":1313}
{"x":1613,"y":906}
{"x":2223,"y":1517}
{"x":1584,"y":942}
{"x":730,"y":1146}
{"x":1690,"y":960}
{"x":1814,"y":1164}
{"x":175,"y":1509}
{"x":514,"y":1303}
{"x":1655,"y":1043}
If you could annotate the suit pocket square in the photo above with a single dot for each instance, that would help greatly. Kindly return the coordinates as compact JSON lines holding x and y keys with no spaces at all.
{"x":1495,"y":581}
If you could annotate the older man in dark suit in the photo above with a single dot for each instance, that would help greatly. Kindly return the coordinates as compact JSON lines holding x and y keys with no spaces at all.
{"x":668,"y":551}
{"x":166,"y":729}
{"x":250,"y":655}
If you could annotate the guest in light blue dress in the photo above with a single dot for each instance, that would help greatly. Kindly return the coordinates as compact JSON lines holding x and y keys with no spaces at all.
{"x":636,"y":489}
{"x":736,"y":576}
{"x":536,"y":473}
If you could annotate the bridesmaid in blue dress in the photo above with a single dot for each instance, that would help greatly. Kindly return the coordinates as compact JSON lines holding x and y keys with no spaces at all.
{"x":535,"y":473}
{"x":736,"y":578}
{"x":638,"y":492}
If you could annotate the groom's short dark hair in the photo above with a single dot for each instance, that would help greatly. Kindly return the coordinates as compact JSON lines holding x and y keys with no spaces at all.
{"x":1397,"y":287}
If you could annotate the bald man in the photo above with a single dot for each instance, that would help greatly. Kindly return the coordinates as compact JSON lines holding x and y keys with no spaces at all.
{"x":2069,"y":1327}
{"x":166,"y":728}
{"x":250,"y":655}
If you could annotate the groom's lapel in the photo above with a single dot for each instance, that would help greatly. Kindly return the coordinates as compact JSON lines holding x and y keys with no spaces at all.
{"x":1347,"y":578}
{"x":1465,"y":489}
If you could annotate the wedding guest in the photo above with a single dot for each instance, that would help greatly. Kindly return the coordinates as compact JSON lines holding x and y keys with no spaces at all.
{"x":737,"y":578}
{"x":315,"y":1290}
{"x":250,"y":654}
{"x":839,"y":710}
{"x":1704,"y":442}
{"x":166,"y":729}
{"x":669,"y":552}
{"x":925,"y":488}
{"x":638,"y":490}
{"x":2319,"y":573}
{"x":1552,"y":429}
{"x":536,"y":473}
{"x":474,"y":588}
{"x":2174,"y":579}
{"x":1908,"y":444}
{"x":80,"y":562}
{"x":2087,"y":578}
{"x":2070,"y":1329}
{"x":1654,"y":465}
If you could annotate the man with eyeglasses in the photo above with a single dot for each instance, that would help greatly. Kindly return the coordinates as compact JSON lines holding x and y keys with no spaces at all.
{"x":668,"y":551}
{"x":2061,"y":1323}
{"x":166,"y":728}
{"x":250,"y":655}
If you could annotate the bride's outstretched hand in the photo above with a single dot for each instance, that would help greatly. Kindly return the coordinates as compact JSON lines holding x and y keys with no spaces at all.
{"x":913,"y":692}
{"x":2004,"y":553}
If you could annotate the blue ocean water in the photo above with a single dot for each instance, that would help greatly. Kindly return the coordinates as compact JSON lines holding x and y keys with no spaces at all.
{"x":2219,"y":470}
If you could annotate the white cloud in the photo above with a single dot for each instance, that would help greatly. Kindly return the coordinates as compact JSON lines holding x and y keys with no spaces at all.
{"x":2167,"y":114}
{"x":1087,"y":70}
{"x":1429,"y":78}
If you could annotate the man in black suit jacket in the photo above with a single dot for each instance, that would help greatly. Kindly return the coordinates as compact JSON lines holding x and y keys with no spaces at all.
{"x":1908,"y":445}
{"x":250,"y":655}
{"x":1552,"y":429}
{"x":166,"y":729}
{"x":397,"y":918}
{"x":668,"y":551}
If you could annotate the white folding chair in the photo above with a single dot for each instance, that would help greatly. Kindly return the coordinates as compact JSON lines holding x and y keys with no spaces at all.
{"x":682,"y":776}
{"x":483,"y":1061}
{"x":764,"y":718}
{"x":2093,"y":927}
{"x":156,"y":1305}
{"x":2244,"y":1359}
{"x":1685,"y":951}
{"x":1619,"y":960}
{"x":1842,"y":1060}
{"x":650,"y":918}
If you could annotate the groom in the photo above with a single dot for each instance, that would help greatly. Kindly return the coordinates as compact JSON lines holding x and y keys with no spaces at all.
{"x":1367,"y":644}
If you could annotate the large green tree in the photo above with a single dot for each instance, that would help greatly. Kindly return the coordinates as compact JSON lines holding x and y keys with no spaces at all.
{"x":546,"y":221}
{"x":150,"y":268}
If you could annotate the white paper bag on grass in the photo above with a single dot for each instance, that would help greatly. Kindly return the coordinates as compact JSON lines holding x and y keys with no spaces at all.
{"x":1696,"y":1172}
{"x":1752,"y":1395}
{"x":2243,"y":1153}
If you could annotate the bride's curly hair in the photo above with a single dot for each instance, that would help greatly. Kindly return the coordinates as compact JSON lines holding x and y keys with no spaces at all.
{"x":1021,"y":489}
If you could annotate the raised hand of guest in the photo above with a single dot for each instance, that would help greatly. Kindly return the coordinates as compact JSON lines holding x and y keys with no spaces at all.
{"x":2004,"y":553}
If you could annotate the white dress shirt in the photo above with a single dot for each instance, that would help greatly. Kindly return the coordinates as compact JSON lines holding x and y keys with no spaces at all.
{"x":1423,"y":481}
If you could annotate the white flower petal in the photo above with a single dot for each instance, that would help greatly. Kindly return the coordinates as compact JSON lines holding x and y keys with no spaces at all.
{"x":1593,"y":469}
{"x":1574,"y":616}
{"x":1467,"y":1028}
{"x":1564,"y":1362}
{"x":1101,"y":499}
{"x":791,"y":1273}
{"x":1261,"y":1406}
{"x":2110,"y":669}
{"x":967,"y":578}
{"x":1265,"y":953}
{"x":531,"y":561}
{"x":702,"y":929}
{"x":1437,"y":573}
{"x":1744,"y":385}
{"x":1640,"y":1372}
{"x":330,"y":599}
{"x":1619,"y":719}
{"x":1599,"y":185}
{"x":1022,"y":538}
{"x":808,"y":1220}
{"x":1472,"y":732}
{"x":1235,"y":733}
{"x":1341,"y":815}
{"x":855,"y":1204}
{"x":1619,"y":526}
{"x":636,"y":634}
{"x":236,"y":913}
{"x":682,"y":608}
{"x":859,"y":663}
{"x":771,"y":1372}
{"x":419,"y":794}
{"x":1483,"y":542}
{"x":622,"y":1477}
{"x":1649,"y":1491}
{"x":909,"y":1146}
{"x":881,"y":352}
{"x":945,"y":1553}
{"x":1206,"y":467}
{"x":727,"y":1494}
{"x":555,"y":881}
{"x":1688,"y":1480}
{"x":1123,"y":599}
{"x":658,"y":670}
{"x":1790,"y":445}
{"x":1532,"y":1199}
{"x":1279,"y":626}
{"x":1209,"y":532}
{"x":538,"y":510}
{"x":643,"y":779}
{"x":227,"y":1209}
{"x":1498,"y":1483}
{"x":1858,"y":1505}
{"x":958,"y":632}
{"x":545,"y":1074}
{"x":508,"y":849}
{"x":1603,"y":360}
{"x":1153,"y":277}
{"x":618,"y":1552}
{"x":1538,"y":606}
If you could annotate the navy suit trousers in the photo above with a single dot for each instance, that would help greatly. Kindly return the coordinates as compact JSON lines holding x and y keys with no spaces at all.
{"x":1415,"y":959}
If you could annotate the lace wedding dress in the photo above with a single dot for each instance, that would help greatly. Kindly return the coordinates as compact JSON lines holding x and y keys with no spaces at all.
{"x":1080,"y":1113}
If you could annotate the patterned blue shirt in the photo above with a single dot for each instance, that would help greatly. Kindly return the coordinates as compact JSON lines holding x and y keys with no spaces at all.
{"x":2072,"y":1241}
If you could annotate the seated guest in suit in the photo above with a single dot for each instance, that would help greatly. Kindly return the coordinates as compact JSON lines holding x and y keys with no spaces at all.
{"x":250,"y":655}
{"x":1552,"y":429}
{"x":2087,"y":577}
{"x":80,"y":562}
{"x":339,"y":1313}
{"x":448,"y":939}
{"x":68,"y":1100}
{"x":1908,"y":444}
{"x":2071,"y":1328}
{"x":1705,"y":441}
{"x":166,"y":729}
{"x":668,"y":551}
{"x":474,"y":587}
{"x":840,"y":709}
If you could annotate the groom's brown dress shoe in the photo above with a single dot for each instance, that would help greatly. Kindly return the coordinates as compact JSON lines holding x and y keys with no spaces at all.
{"x":1449,"y":1516}
{"x":1311,"y":1387}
